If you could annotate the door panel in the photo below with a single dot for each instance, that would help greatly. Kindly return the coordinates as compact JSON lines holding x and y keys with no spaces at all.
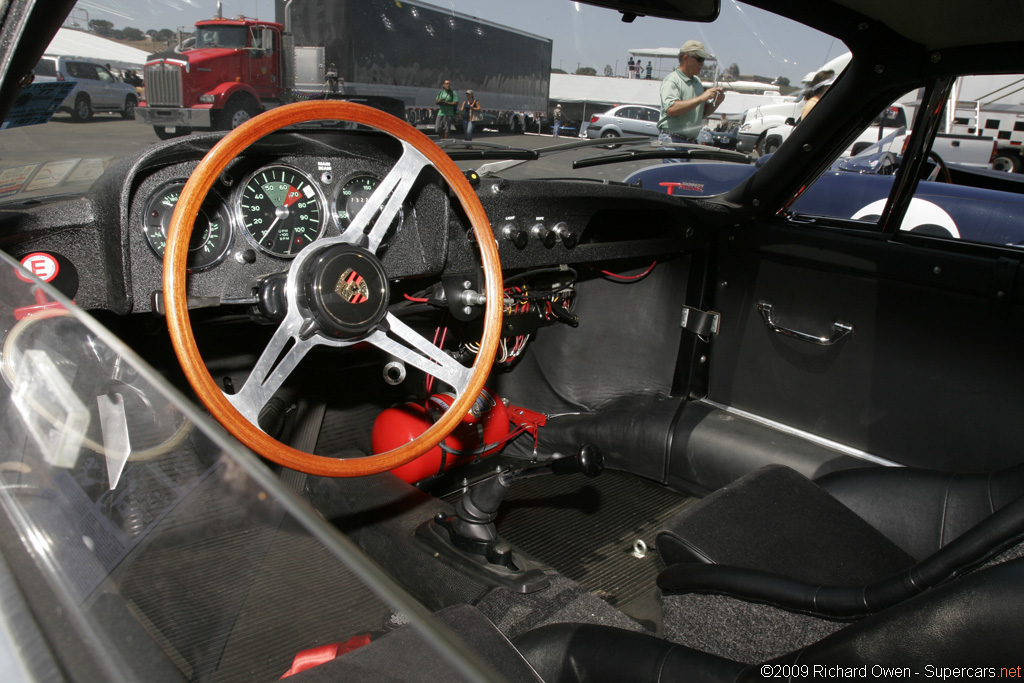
{"x":933,"y":373}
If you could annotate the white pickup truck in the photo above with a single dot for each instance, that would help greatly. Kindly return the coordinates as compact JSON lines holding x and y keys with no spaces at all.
{"x":753,"y":131}
{"x":968,"y":150}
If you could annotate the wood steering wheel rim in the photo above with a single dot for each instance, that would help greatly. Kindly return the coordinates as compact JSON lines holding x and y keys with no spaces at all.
{"x":941,"y":173}
{"x":175,"y":293}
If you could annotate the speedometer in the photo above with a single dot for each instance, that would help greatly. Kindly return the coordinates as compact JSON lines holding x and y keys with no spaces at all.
{"x":352,"y":195}
{"x":281,"y":210}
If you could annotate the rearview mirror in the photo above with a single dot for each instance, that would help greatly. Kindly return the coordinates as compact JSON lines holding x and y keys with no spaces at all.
{"x":684,"y":10}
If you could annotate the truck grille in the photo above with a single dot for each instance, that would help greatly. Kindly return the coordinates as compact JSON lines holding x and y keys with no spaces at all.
{"x":163,"y":84}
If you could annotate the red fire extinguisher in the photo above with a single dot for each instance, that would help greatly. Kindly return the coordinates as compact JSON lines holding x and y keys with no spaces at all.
{"x":483,"y":431}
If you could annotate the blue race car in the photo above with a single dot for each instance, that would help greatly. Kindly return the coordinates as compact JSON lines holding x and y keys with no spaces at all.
{"x":954,"y":201}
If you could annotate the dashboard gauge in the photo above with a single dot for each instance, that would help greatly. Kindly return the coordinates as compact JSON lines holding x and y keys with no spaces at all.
{"x":352,"y":195}
{"x":211,"y":234}
{"x":281,"y":210}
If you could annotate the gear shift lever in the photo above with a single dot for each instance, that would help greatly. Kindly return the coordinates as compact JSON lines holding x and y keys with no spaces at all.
{"x":478,"y":508}
{"x":472,"y":529}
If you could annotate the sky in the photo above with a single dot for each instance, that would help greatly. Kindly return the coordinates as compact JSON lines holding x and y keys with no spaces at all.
{"x":758,"y":42}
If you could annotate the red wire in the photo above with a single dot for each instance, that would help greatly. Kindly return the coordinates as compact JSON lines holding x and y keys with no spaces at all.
{"x":627,"y":278}
{"x":430,"y":378}
{"x":416,"y":299}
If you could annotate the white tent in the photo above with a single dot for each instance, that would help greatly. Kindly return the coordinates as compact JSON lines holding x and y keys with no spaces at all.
{"x":602,"y":90}
{"x":71,"y":43}
{"x":598,"y":93}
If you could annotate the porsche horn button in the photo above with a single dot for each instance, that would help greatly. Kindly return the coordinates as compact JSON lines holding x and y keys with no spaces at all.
{"x":351,"y":287}
{"x":346,"y":291}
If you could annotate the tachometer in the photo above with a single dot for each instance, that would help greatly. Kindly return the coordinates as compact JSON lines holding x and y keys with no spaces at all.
{"x":211,"y":235}
{"x":281,"y":210}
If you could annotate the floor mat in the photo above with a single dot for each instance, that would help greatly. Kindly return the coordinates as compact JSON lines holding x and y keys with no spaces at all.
{"x":586,"y":528}
{"x":231,"y":596}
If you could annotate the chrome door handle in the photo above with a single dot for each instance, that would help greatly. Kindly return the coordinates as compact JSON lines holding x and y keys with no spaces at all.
{"x":839,"y":330}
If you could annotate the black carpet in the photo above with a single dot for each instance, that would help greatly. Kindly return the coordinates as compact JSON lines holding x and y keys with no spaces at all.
{"x":585,"y":528}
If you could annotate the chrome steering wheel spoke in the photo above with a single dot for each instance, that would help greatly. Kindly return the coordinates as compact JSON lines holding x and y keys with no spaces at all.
{"x":383,"y":207}
{"x":287,"y":347}
{"x":406,"y":344}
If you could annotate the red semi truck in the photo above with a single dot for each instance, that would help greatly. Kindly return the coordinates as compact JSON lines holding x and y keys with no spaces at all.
{"x":386,"y":54}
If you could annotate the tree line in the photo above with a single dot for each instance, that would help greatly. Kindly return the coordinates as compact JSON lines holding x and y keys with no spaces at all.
{"x":104,"y":28}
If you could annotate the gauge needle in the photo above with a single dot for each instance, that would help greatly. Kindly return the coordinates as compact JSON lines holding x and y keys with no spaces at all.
{"x":289,"y":198}
{"x":269,"y":228}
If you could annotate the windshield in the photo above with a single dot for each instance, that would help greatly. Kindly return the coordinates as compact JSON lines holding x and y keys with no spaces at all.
{"x":537,"y":70}
{"x":223,"y":36}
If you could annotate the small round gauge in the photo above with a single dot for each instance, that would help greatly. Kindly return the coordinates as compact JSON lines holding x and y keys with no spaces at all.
{"x":281,"y":210}
{"x":352,"y":195}
{"x":211,"y":234}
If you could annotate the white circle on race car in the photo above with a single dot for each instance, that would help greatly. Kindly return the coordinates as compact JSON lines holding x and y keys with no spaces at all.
{"x":921,"y":215}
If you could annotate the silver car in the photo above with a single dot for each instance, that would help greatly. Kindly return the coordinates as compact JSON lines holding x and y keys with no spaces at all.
{"x":96,"y":88}
{"x":627,"y":119}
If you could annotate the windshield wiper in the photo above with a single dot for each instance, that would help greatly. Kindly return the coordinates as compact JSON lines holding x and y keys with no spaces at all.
{"x":510,"y":161}
{"x":595,"y":142}
{"x":463,"y":151}
{"x":666,"y":152}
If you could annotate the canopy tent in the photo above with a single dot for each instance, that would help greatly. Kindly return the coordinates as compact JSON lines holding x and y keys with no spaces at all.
{"x":71,"y":43}
{"x":659,"y":69}
{"x":656,"y":52}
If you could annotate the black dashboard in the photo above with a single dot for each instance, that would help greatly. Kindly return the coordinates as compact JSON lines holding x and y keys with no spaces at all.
{"x":294,"y":187}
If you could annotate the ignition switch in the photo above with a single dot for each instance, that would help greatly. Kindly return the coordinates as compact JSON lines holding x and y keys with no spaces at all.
{"x":462,"y":292}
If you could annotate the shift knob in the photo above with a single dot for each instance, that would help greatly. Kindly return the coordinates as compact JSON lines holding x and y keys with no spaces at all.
{"x":587,"y":461}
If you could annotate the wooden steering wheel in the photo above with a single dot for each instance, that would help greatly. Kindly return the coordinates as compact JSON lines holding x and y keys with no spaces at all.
{"x":323,"y":307}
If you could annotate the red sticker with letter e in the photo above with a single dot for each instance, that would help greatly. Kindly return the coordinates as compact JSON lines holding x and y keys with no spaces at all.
{"x":44,"y":266}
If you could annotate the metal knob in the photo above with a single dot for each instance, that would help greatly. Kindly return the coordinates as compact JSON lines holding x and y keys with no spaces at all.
{"x":518,"y":237}
{"x":568,"y":237}
{"x":545,"y":234}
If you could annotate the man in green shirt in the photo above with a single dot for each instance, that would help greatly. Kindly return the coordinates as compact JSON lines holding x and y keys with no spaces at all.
{"x":446,"y":103}
{"x":684,"y":101}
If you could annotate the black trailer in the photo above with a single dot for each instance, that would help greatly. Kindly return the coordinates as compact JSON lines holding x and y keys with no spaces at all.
{"x":404,"y":50}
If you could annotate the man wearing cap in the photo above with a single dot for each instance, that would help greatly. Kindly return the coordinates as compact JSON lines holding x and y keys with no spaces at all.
{"x":684,"y":101}
{"x":558,"y":117}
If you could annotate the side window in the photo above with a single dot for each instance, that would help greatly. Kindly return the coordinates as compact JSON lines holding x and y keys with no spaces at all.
{"x":46,"y":67}
{"x":261,"y":48}
{"x":104,"y":75}
{"x":88,"y":71}
{"x":958,"y":196}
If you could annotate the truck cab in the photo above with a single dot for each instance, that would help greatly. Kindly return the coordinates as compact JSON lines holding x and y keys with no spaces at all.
{"x":216,"y":80}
